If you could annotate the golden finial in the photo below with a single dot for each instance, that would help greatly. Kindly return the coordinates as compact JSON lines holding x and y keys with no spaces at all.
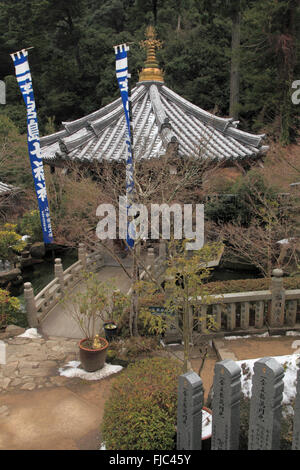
{"x":151,"y":71}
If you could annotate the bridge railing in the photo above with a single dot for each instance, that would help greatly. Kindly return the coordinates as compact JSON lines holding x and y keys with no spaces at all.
{"x":275,"y":308}
{"x":37,"y":307}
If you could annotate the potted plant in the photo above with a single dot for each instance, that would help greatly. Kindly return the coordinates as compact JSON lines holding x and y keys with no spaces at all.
{"x":90,"y":309}
{"x":119,"y":302}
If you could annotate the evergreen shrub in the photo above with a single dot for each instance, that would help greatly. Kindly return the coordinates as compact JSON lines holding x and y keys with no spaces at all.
{"x":10,"y":311}
{"x":141,"y":412}
{"x":248,"y":285}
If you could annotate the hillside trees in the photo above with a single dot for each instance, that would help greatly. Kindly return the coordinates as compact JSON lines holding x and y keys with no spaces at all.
{"x":72,"y":62}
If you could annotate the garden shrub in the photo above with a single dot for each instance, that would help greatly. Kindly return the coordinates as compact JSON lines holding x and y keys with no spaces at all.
{"x":10,"y":242}
{"x":141,"y":411}
{"x":30,"y":224}
{"x":124,"y":351}
{"x":248,"y":285}
{"x":10,"y":311}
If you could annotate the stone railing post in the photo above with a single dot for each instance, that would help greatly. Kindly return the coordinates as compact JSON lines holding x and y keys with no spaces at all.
{"x":31,"y":310}
{"x":150,"y":256}
{"x":163,"y":249}
{"x":278,"y":298}
{"x":82,"y":255}
{"x":59,"y":273}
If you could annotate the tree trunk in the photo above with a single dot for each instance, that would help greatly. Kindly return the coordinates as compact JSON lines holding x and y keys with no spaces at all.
{"x":134,"y":298}
{"x":235,"y":65}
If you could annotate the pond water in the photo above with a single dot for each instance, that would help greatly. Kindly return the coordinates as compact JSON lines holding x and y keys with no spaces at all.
{"x":41,"y":274}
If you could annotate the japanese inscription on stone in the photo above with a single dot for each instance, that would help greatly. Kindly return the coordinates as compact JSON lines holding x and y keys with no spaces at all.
{"x":189,"y":412}
{"x":226,"y":406}
{"x":265,"y":408}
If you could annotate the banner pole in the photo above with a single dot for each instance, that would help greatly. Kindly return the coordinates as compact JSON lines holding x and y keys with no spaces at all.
{"x":23,"y":75}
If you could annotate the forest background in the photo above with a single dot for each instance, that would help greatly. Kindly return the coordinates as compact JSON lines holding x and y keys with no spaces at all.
{"x":72,"y":63}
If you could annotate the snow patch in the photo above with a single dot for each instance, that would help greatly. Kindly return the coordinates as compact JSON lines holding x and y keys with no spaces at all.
{"x":71,"y":369}
{"x":262,"y":335}
{"x":292,"y":333}
{"x":290,"y":365}
{"x":30,"y":333}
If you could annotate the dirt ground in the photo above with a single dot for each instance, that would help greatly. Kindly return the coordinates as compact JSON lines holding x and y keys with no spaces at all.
{"x":256,"y":347}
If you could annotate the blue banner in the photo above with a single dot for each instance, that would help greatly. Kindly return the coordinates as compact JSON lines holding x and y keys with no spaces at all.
{"x":122,"y":77}
{"x":25,"y":83}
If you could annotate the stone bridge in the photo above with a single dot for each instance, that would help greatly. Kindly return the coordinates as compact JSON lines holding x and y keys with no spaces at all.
{"x":47,"y":310}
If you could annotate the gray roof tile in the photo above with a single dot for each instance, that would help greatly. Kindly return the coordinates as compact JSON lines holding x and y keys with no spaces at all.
{"x":160,"y":117}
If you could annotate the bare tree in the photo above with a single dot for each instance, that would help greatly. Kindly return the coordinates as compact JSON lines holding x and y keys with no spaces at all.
{"x":270,"y":238}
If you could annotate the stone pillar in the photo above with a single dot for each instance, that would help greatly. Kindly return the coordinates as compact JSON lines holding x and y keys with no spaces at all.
{"x":296,"y":428}
{"x":150,"y":256}
{"x":226,"y":406}
{"x":189,"y":412}
{"x":231,"y":316}
{"x":82,"y":255}
{"x":163,"y":249}
{"x":217,"y":312}
{"x":278,"y":299}
{"x":291,"y":312}
{"x":2,"y":353}
{"x":59,"y":273}
{"x":31,"y":310}
{"x":259,"y":307}
{"x":265,"y":407}
{"x":245,"y":307}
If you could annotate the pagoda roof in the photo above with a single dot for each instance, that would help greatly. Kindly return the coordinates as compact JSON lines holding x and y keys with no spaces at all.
{"x":161,"y":118}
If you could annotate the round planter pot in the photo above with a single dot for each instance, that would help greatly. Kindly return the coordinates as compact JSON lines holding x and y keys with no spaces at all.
{"x":111,"y":330}
{"x":92,"y":359}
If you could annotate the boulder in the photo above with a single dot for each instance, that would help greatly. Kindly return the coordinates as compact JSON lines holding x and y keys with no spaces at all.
{"x":7,"y":276}
{"x":37,"y":250}
{"x":14,"y":330}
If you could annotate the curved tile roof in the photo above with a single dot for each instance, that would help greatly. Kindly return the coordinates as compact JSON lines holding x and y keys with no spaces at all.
{"x":160,"y":118}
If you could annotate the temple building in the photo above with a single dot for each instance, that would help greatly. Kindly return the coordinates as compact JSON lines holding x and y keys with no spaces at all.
{"x":163,"y":121}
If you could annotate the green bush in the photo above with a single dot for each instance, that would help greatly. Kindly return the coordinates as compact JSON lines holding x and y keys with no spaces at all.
{"x":244,"y":194}
{"x":30,"y":224}
{"x":124,"y":351}
{"x":248,"y":285}
{"x":10,"y":311}
{"x":141,"y":411}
